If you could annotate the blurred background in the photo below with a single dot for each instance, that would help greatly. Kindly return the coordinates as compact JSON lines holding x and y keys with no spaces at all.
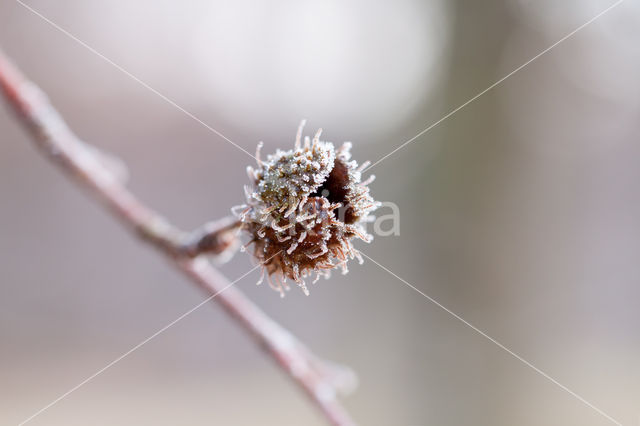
{"x":520,"y":212}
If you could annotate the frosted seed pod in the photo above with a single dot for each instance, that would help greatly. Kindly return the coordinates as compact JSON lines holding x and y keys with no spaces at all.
{"x":304,"y":208}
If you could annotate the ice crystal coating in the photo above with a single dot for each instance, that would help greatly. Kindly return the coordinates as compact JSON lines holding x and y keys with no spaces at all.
{"x":303,"y":209}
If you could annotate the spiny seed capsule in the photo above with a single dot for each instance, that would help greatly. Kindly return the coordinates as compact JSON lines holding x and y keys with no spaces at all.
{"x":303,"y":209}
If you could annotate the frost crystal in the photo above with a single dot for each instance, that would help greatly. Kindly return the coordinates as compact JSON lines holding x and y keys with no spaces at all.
{"x":303,"y":209}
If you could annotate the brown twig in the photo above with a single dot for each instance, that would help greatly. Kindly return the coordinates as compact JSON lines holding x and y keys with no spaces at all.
{"x":319,"y":379}
{"x":215,"y":238}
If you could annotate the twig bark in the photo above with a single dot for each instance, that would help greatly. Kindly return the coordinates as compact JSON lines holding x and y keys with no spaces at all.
{"x":83,"y":163}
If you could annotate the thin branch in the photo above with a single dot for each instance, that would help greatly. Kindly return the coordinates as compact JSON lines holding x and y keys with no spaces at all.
{"x":215,"y":238}
{"x":83,"y":163}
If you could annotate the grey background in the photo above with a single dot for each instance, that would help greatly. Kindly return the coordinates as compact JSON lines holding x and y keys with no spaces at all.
{"x":519,"y":213}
